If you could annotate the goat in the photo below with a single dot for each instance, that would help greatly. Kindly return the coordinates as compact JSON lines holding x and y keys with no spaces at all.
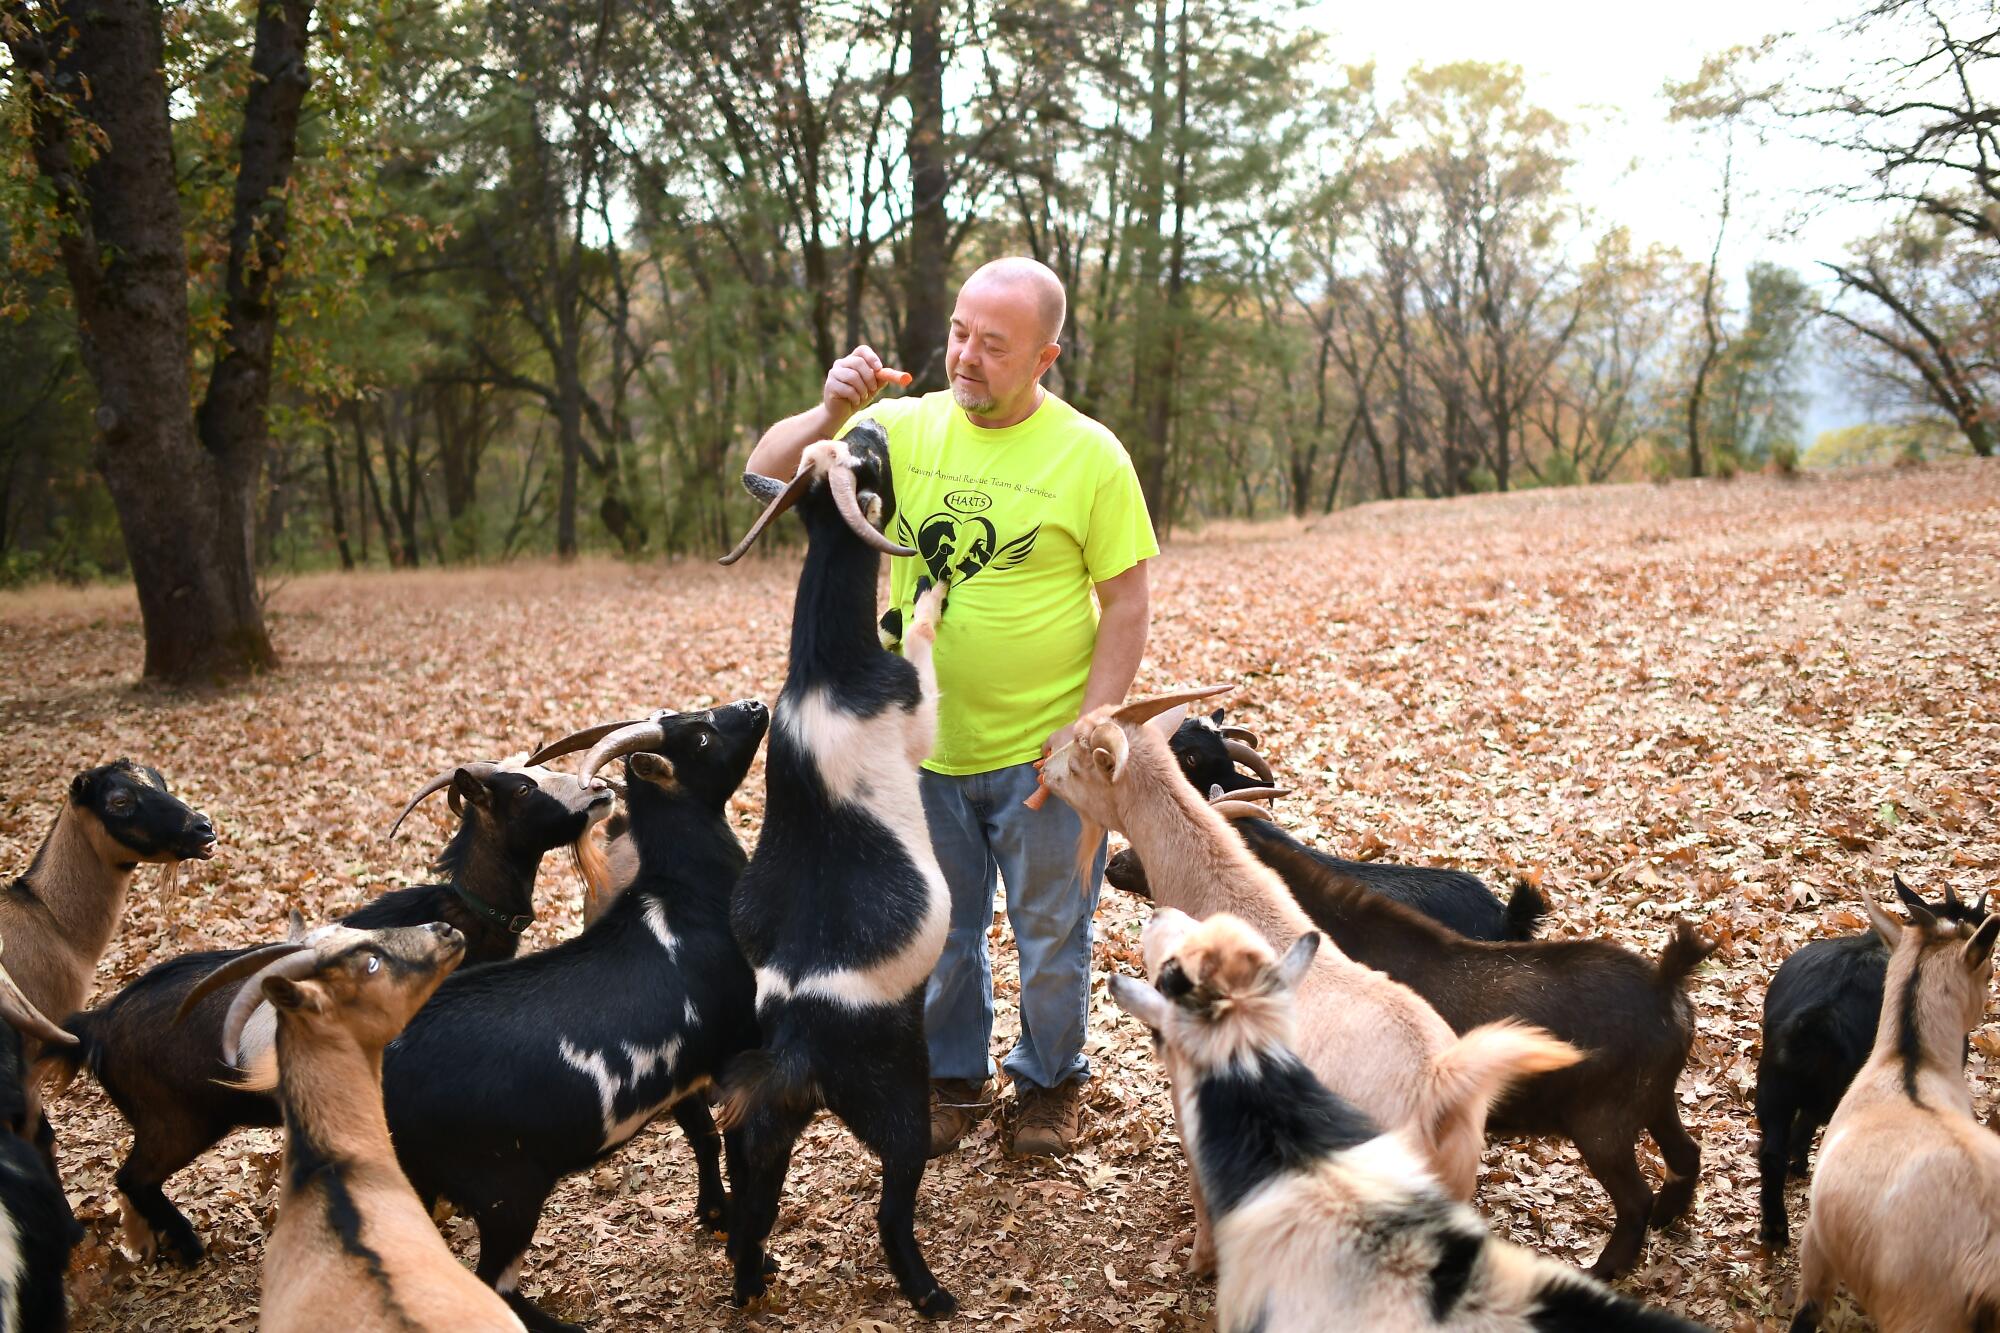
{"x":166,"y":1078}
{"x":60,"y":915}
{"x":1322,"y":1220}
{"x":351,"y":1235}
{"x":1209,"y":749}
{"x":519,"y":1073}
{"x":1819,"y":1022}
{"x":843,"y":909}
{"x":1372,"y":1038}
{"x":1906,"y":1196}
{"x":37,"y":1230}
{"x":1628,"y":1016}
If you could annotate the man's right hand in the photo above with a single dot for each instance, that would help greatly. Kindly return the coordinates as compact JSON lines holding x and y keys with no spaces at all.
{"x":854,"y":381}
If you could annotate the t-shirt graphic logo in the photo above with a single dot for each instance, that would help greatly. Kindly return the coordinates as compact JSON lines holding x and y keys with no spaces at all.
{"x":959,"y":540}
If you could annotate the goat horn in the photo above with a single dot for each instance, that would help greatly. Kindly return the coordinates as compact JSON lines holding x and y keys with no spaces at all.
{"x":1140,"y":710}
{"x":479,"y":769}
{"x":1233,"y":732}
{"x":841,"y":479}
{"x":628,"y":738}
{"x":1250,"y":759}
{"x":1249,"y":794}
{"x":579,"y":740}
{"x":251,"y":994}
{"x":20,"y":1011}
{"x":784,"y":500}
{"x":1239,"y":809}
{"x":235,"y":970}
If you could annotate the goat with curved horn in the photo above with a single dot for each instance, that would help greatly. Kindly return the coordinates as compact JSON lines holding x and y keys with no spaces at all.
{"x":1144,"y":710}
{"x":1232,"y":732}
{"x":780,"y":502}
{"x":1238,"y":804}
{"x":17,"y":1009}
{"x":293,"y":958}
{"x":580,"y":740}
{"x":841,"y":481}
{"x":1245,"y":755}
{"x":832,"y":460}
{"x":480,"y":769}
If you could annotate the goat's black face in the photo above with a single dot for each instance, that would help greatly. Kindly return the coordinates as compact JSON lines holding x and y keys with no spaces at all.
{"x":868,"y":444}
{"x":708,"y":753}
{"x":142,"y":820}
{"x":1203,"y":758}
{"x":534,"y":819}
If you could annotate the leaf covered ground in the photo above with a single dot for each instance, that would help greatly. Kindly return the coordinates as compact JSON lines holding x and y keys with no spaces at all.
{"x":1744,"y":702}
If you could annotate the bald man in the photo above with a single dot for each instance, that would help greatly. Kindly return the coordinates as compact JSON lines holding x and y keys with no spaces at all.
{"x":1023,"y":506}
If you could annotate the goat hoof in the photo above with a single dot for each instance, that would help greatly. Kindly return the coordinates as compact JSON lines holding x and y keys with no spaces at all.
{"x":940,"y":1304}
{"x":1775,"y":1240}
{"x":1671,"y":1206}
{"x":187,"y":1251}
{"x":714,"y":1219}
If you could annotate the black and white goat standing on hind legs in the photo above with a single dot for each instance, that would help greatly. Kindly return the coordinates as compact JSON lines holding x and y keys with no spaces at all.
{"x":1322,"y":1221}
{"x":842,"y":911}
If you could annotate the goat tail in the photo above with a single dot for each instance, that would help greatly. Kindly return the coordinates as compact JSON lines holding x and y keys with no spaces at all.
{"x":1525,"y":911}
{"x":1469,"y":1075}
{"x":56,"y":1067}
{"x":778,"y":1078}
{"x":1686,"y":951}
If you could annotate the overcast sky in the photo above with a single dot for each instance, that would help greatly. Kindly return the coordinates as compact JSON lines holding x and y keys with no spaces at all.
{"x":1601,"y":67}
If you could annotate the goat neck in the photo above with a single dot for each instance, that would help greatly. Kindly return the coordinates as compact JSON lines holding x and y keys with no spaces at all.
{"x":331,"y":1093}
{"x":79,"y":887}
{"x":1202,"y":865}
{"x":479,"y":865}
{"x":833,"y":618}
{"x":1920,"y":1037}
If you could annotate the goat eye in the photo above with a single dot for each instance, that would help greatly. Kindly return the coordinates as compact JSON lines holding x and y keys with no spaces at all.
{"x":704,"y":741}
{"x":374,"y":964}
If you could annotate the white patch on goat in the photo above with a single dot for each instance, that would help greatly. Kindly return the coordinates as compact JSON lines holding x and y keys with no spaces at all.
{"x":257,"y":1052}
{"x":864,"y":762}
{"x":510,"y":1277}
{"x":598,"y":1070}
{"x":643,"y":1061}
{"x":656,"y":921}
{"x":688,"y":1015}
{"x":11,"y":1266}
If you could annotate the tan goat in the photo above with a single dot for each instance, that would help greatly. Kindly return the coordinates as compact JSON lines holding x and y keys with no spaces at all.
{"x":353,"y":1245}
{"x":1906,"y":1195}
{"x":1372,"y":1040}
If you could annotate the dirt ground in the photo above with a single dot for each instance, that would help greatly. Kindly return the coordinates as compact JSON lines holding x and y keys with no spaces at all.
{"x":1746,"y":702}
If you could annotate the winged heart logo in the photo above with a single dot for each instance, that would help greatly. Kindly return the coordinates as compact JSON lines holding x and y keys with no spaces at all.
{"x":959,"y":541}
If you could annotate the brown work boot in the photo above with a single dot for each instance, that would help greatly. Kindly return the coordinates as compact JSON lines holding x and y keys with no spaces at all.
{"x":957,"y":1106}
{"x":1045,"y":1119}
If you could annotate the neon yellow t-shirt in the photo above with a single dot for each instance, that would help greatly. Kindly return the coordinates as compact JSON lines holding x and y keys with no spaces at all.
{"x":1021,"y":521}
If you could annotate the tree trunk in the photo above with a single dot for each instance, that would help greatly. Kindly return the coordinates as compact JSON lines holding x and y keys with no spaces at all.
{"x":185,"y":499}
{"x":927,"y":301}
{"x":336,"y":508}
{"x":1711,"y":329}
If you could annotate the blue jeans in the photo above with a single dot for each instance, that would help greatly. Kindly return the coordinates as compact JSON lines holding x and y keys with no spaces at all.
{"x":978,"y":826}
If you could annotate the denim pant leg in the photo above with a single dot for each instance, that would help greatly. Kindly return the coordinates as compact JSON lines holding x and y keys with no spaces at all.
{"x":1050,"y":912}
{"x":958,"y":1000}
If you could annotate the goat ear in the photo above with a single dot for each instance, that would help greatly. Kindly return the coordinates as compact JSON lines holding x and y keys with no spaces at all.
{"x":1887,"y":928}
{"x":1298,"y":960}
{"x":1979,"y":949}
{"x":466,"y":786}
{"x":654,"y":768}
{"x":1141,"y":1001}
{"x":1909,"y":895}
{"x":1216,"y":717}
{"x":1109,"y":749}
{"x":762,"y":489}
{"x":295,"y":926}
{"x":1169,"y":722}
{"x":299,"y":997}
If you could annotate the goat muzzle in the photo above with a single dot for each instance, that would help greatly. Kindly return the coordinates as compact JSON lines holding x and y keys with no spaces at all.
{"x":481,"y":769}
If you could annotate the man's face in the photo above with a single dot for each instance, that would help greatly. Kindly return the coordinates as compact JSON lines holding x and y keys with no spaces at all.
{"x":997,"y":348}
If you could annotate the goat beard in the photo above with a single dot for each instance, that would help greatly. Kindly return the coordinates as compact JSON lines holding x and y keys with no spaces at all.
{"x":1087,"y":843}
{"x":169,"y":888}
{"x":593,"y":867}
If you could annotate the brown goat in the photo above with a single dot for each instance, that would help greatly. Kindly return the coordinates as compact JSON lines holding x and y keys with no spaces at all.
{"x":1906,"y":1196}
{"x":1371,"y":1039}
{"x":353,"y":1244}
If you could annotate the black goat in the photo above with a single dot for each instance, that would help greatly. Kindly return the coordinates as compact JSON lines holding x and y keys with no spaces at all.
{"x":520,"y":1073}
{"x":168,"y":1078}
{"x":1820,"y":1015}
{"x":1627,"y":1015}
{"x":37,"y":1231}
{"x":1209,"y":749}
{"x":843,"y":908}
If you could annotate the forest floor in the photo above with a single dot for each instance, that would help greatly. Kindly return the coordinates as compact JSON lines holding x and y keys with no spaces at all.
{"x":1745,"y":702}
